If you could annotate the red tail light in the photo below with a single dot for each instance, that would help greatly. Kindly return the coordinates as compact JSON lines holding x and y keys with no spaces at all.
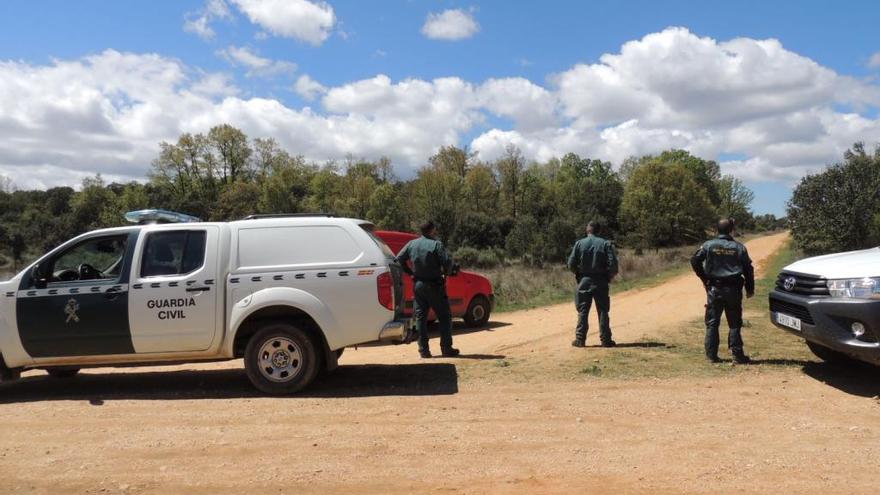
{"x":385,"y":289}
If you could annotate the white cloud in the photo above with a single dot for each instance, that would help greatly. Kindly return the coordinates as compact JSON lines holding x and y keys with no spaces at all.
{"x":675,"y":89}
{"x":529,"y":105}
{"x":199,"y":23}
{"x":451,"y":25}
{"x":308,"y":88}
{"x":255,"y":64}
{"x":874,"y":61}
{"x":780,"y":113}
{"x":303,"y":20}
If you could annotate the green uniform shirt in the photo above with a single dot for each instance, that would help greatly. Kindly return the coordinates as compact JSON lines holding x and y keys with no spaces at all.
{"x":724,"y":259}
{"x":593,"y":256}
{"x":430,"y":261}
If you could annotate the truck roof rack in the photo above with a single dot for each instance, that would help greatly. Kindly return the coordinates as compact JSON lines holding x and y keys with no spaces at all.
{"x":288,"y":215}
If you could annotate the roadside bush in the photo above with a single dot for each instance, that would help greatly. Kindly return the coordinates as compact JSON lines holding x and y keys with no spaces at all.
{"x":477,"y":230}
{"x":469,"y":257}
{"x":466,"y":256}
{"x":488,"y":258}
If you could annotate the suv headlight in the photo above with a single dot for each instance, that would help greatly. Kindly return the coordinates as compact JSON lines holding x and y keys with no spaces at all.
{"x":858,"y":288}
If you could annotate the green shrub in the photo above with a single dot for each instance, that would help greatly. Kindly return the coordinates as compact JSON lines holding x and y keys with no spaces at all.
{"x":488,"y":258}
{"x":467,"y":256}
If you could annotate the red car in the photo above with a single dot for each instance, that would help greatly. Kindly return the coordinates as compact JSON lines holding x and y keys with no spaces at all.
{"x":470,"y":294}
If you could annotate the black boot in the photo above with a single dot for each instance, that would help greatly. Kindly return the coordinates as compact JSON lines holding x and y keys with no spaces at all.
{"x":713,"y":359}
{"x":425,"y":353}
{"x":450,"y":352}
{"x":609,"y":343}
{"x":578,"y":343}
{"x":739,"y":357}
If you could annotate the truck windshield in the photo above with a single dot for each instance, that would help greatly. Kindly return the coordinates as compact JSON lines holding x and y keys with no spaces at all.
{"x":368,"y":228}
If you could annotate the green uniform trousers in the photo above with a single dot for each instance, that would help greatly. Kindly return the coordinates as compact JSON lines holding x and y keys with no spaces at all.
{"x":725,"y":299}
{"x":428,"y":296}
{"x":588,"y":290}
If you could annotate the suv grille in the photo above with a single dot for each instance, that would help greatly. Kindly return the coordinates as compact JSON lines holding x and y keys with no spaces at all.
{"x":796,"y":310}
{"x":806,"y":285}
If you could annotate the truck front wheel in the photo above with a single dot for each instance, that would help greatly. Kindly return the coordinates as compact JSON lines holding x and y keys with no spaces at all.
{"x":280,"y":359}
{"x":828,"y":355}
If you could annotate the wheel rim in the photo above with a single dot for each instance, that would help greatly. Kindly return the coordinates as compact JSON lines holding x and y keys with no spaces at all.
{"x":280,"y":359}
{"x":478,"y":312}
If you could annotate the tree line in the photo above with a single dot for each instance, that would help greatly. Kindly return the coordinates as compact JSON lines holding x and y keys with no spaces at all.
{"x":839,"y":208}
{"x":509,"y":207}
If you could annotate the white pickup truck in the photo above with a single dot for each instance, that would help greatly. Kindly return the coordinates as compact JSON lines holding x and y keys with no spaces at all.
{"x":833,"y":302}
{"x":286,"y":293}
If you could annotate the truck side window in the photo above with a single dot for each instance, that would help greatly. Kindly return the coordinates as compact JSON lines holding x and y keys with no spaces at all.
{"x":94,"y":259}
{"x":175,"y":252}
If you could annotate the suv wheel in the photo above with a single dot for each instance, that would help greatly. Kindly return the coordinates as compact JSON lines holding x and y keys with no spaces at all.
{"x":62,"y":372}
{"x":477,"y":313}
{"x":828,"y":355}
{"x":280,"y":359}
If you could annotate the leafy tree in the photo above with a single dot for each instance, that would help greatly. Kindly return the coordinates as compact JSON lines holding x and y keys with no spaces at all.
{"x":735,"y":199}
{"x":664,"y":205}
{"x":510,"y":170}
{"x":477,"y":230}
{"x":451,"y":159}
{"x":229,"y":153}
{"x":387,"y":208}
{"x":524,"y":238}
{"x":839,"y":209}
{"x":437,"y":195}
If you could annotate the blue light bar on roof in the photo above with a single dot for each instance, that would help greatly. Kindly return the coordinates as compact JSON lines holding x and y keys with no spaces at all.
{"x":159,"y":216}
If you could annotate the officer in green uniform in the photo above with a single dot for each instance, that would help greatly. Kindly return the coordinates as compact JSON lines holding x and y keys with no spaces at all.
{"x":594,"y":263}
{"x":430,"y":266}
{"x":724,"y":267}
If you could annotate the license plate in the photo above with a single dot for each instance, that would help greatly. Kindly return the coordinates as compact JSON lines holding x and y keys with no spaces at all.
{"x":788,"y":321}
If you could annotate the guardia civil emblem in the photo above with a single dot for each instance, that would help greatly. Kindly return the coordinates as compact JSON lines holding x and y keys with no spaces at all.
{"x":70,"y":310}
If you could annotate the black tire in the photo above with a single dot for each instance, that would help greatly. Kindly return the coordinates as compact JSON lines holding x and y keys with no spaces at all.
{"x":477,"y":313}
{"x":63,"y":372}
{"x":281,"y":359}
{"x":828,"y":355}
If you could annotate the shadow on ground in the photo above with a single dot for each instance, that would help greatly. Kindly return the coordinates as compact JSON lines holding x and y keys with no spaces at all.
{"x":364,"y":380}
{"x":625,"y":345}
{"x":460,"y":328}
{"x":853,"y":378}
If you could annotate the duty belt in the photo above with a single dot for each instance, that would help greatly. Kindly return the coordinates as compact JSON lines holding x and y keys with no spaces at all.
{"x":726,"y":282}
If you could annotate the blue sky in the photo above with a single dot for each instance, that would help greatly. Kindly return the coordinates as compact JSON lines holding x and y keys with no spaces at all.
{"x":539,"y":43}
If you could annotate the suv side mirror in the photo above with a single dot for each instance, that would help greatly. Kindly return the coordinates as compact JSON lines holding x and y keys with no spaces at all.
{"x":39,"y":277}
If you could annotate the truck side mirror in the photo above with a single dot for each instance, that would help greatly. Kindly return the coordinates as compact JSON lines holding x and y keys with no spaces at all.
{"x":39,"y":277}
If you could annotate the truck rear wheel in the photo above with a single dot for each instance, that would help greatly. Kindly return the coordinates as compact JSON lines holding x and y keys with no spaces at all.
{"x":477,"y":313}
{"x":828,"y":355}
{"x":281,"y":359}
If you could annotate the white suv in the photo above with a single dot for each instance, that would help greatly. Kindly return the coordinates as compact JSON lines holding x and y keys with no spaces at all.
{"x":287,"y":293}
{"x":832,"y":302}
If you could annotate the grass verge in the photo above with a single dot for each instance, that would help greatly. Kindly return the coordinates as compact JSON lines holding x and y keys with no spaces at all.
{"x":520,"y":286}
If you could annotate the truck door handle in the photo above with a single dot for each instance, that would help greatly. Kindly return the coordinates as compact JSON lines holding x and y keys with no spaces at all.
{"x":112,"y":293}
{"x":198,"y":289}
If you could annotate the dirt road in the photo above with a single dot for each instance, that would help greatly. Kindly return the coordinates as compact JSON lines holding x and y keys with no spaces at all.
{"x":387,"y":422}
